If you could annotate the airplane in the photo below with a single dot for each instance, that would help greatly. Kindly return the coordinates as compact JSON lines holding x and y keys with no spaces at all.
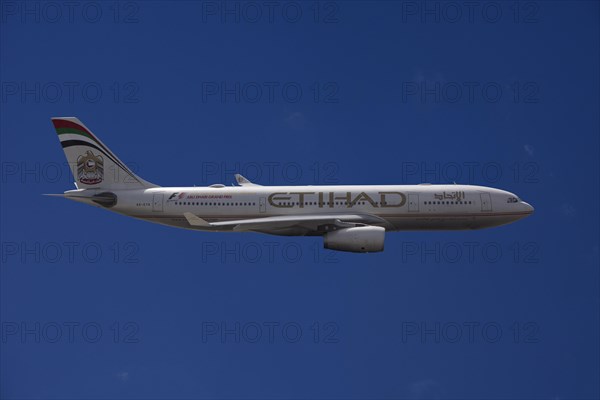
{"x":352,"y":218}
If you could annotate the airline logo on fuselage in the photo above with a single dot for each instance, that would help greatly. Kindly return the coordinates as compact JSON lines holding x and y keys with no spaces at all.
{"x":458,"y":196}
{"x":176,"y":196}
{"x":329,"y":199}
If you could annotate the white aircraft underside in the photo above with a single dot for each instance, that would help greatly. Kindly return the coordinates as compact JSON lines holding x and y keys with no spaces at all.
{"x":350,"y":218}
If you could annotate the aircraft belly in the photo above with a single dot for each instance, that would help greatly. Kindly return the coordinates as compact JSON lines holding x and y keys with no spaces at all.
{"x":421,"y":222}
{"x":459,"y":222}
{"x":405,"y":222}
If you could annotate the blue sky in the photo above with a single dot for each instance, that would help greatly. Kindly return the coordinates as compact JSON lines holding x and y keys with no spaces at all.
{"x":95,"y":305}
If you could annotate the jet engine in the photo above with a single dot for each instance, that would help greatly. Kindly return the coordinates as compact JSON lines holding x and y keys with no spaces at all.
{"x":358,"y":239}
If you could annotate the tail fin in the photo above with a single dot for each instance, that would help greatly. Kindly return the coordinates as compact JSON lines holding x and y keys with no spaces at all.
{"x":92,"y":163}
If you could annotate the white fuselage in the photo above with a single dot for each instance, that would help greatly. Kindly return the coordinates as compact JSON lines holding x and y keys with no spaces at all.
{"x":350,"y":218}
{"x":399,"y":207}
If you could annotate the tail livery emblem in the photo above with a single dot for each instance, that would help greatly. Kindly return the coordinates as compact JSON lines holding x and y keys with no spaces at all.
{"x":90,"y":168}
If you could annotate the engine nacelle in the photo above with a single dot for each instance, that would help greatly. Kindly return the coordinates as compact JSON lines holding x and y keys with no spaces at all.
{"x":360,"y":239}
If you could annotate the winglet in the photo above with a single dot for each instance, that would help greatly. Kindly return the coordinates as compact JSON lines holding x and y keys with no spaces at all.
{"x":195,"y":220}
{"x":243,"y":181}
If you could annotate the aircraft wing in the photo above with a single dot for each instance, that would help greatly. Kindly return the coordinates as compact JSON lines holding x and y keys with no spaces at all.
{"x":307,"y":224}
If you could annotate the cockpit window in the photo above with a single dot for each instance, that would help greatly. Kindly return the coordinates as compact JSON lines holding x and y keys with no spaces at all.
{"x":512,"y":200}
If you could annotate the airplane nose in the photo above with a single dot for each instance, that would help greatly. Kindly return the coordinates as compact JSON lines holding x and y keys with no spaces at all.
{"x":528,"y":207}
